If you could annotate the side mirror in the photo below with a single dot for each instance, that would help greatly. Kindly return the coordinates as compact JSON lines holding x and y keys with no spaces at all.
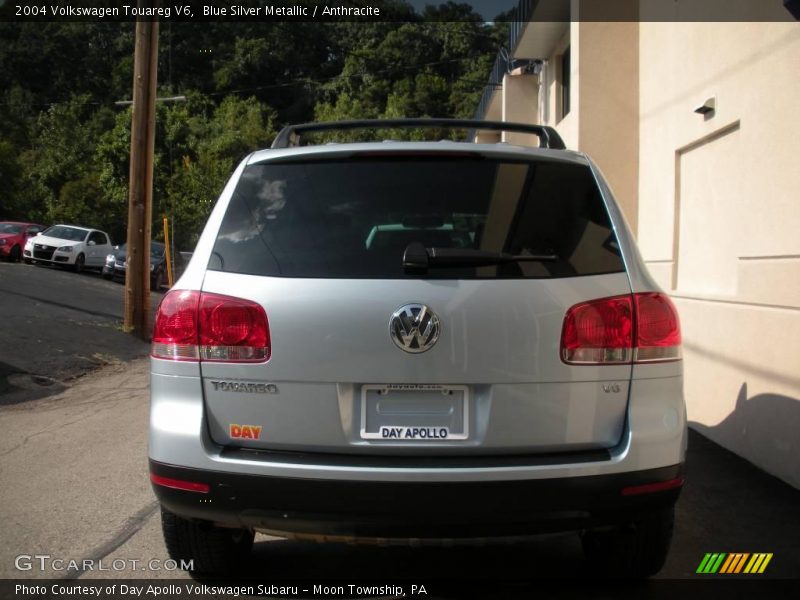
{"x":91,"y":243}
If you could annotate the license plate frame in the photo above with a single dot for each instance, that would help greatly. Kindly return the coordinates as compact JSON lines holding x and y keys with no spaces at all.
{"x":396,"y":391}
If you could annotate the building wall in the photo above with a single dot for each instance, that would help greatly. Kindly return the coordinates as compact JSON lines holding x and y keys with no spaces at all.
{"x":603,"y":120}
{"x":550,"y":96}
{"x":520,"y":97}
{"x":719,"y":223}
{"x":608,"y":106}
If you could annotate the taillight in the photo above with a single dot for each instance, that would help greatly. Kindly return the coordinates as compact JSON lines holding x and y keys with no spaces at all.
{"x":600,"y":331}
{"x":175,"y":329}
{"x":232,"y":330}
{"x":640,"y":327}
{"x":180,"y":484}
{"x":193,"y":325}
{"x":658,"y":331}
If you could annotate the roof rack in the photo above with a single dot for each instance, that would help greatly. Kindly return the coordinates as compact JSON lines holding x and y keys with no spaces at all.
{"x":289,"y":136}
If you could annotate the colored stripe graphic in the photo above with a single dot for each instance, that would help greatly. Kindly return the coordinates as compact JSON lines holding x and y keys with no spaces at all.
{"x":733,"y":563}
{"x":711,"y":562}
{"x":758,"y":563}
{"x":726,"y":565}
{"x":749,"y":566}
{"x":703,"y":563}
{"x":742,"y":560}
{"x":765,"y":563}
{"x":715,"y":568}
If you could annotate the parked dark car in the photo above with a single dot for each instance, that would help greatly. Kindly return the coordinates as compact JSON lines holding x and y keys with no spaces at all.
{"x":117,"y":261}
{"x":13,"y":236}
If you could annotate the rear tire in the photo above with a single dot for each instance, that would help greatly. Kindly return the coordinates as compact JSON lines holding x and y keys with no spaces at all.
{"x":635,"y":551}
{"x":15,"y":254}
{"x":212,"y":550}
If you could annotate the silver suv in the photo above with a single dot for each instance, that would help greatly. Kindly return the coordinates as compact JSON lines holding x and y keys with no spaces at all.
{"x":417,"y":342}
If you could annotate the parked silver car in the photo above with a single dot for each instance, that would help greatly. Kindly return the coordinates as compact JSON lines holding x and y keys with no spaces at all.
{"x":417,"y":341}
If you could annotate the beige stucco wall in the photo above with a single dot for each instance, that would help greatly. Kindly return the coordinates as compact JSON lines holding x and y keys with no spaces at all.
{"x":520,"y":96}
{"x":608,"y":106}
{"x":603,"y":120}
{"x":719,"y":223}
{"x":550,"y":95}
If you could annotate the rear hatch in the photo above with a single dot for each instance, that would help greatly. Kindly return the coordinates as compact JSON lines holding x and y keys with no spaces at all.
{"x":459,"y":356}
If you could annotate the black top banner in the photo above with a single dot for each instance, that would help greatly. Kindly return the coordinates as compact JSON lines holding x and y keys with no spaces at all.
{"x":397,"y":10}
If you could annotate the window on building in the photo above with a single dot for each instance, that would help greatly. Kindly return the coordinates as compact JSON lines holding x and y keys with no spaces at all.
{"x":565,"y":83}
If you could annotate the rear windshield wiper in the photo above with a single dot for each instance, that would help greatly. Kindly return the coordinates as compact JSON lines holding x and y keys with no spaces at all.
{"x":419,"y":258}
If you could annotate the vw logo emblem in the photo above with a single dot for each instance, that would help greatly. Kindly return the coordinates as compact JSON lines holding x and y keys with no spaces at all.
{"x":414,"y":328}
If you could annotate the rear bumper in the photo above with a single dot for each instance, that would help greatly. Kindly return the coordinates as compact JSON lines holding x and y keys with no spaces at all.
{"x":415,"y":509}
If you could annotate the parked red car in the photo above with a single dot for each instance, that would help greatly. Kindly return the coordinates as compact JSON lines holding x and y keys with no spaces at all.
{"x":13,"y":236}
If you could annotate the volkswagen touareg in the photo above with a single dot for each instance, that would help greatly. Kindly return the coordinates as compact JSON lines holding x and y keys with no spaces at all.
{"x":417,"y":342}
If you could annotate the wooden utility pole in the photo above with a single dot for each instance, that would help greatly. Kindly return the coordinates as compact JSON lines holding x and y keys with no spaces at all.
{"x":140,"y":196}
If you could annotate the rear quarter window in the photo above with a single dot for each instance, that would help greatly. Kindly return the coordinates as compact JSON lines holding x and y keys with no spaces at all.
{"x":354,"y":218}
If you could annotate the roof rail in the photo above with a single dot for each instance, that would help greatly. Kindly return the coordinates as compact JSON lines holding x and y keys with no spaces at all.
{"x":289,"y":136}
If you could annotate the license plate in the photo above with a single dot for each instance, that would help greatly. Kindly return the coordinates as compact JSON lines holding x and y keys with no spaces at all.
{"x":410,"y":412}
{"x":414,"y":433}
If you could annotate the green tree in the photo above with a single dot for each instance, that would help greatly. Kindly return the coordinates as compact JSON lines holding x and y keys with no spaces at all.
{"x":207,"y":151}
{"x":84,"y":202}
{"x":416,"y":69}
{"x":61,"y":151}
{"x":64,"y":145}
{"x":10,"y":172}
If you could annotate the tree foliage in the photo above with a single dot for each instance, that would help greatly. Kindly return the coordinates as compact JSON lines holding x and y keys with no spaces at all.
{"x":65,"y":142}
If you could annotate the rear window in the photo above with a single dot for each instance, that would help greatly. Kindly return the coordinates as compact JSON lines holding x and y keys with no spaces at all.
{"x":354,"y":218}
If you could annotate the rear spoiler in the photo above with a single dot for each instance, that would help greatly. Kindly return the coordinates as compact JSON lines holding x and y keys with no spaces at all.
{"x":289,"y":136}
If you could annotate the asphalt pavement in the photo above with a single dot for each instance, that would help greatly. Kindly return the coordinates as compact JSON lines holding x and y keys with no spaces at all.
{"x":57,"y":326}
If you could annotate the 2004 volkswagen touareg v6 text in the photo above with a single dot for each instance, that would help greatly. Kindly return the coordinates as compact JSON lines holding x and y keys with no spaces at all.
{"x":417,"y":342}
